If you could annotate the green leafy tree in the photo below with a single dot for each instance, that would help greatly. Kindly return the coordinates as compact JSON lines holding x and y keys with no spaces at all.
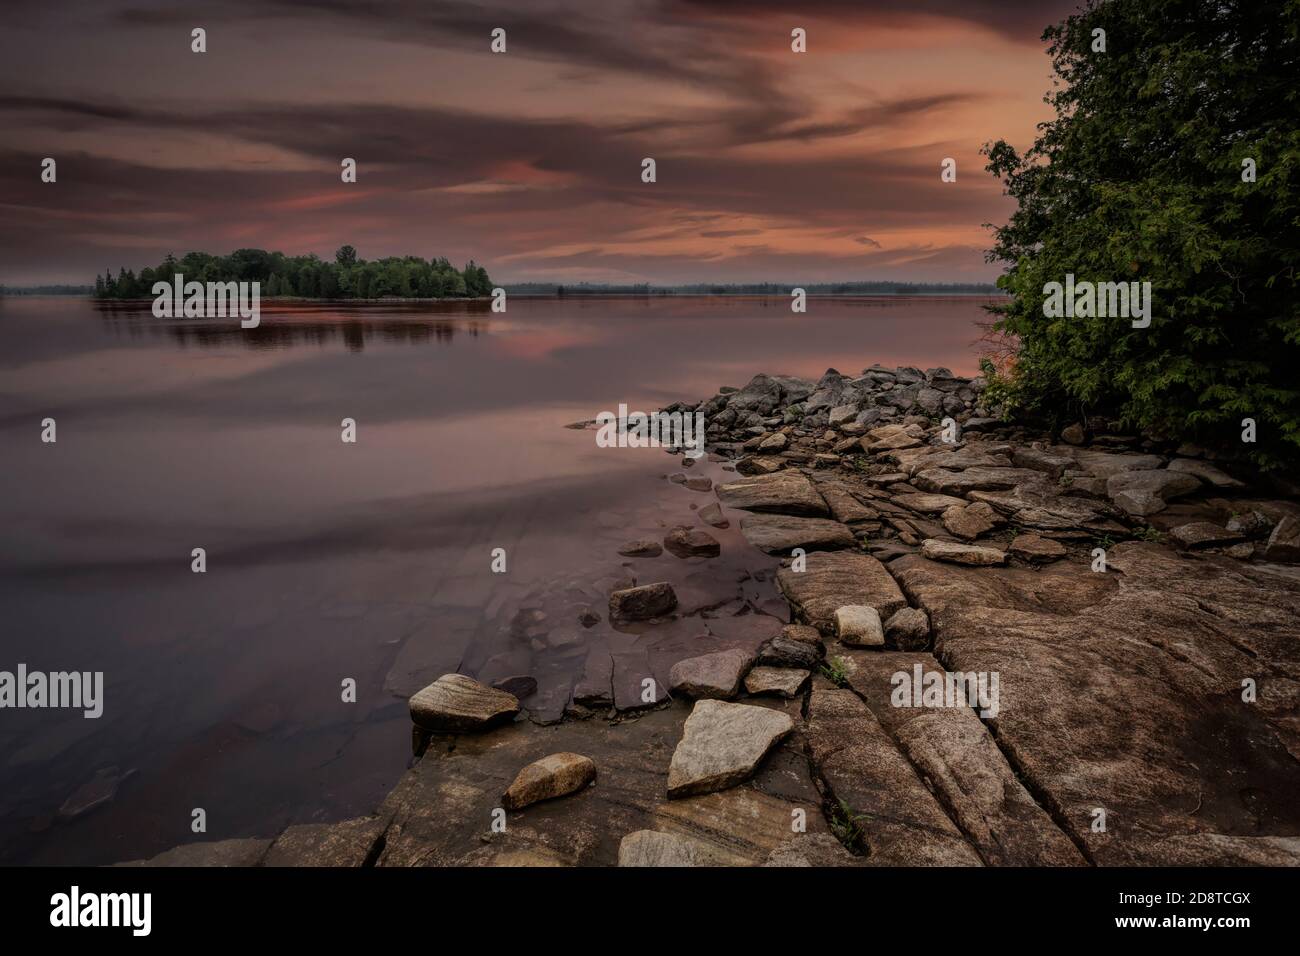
{"x":346,"y":256}
{"x":1142,"y":177}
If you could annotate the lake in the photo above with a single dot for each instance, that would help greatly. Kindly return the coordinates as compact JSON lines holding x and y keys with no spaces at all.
{"x":329,"y":561}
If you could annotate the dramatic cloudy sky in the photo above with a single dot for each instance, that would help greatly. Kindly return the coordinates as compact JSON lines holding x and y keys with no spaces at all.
{"x":771,"y":165}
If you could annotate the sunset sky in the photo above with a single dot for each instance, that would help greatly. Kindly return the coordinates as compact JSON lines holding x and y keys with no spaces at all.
{"x":772,"y":165}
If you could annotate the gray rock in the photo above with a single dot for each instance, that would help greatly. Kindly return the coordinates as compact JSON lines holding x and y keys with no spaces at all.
{"x":456,"y":704}
{"x":716,"y":675}
{"x":722,"y":744}
{"x":1210,"y":474}
{"x":521,"y":686}
{"x":654,"y":848}
{"x":642,"y":603}
{"x":556,"y":775}
{"x":1160,"y":482}
{"x":1139,"y":503}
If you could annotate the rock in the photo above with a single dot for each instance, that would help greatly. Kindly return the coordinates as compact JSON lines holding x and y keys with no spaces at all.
{"x":1035,"y":549}
{"x":456,"y":704}
{"x":711,"y":514}
{"x":1139,"y":503}
{"x":1150,"y":660}
{"x":930,"y":399}
{"x":554,"y":776}
{"x":1210,"y":474}
{"x":98,"y":791}
{"x":937,"y":550}
{"x":858,"y":625}
{"x":692,"y":543}
{"x":1160,"y":482}
{"x":642,"y":603}
{"x":722,"y":745}
{"x":813,"y":850}
{"x":699,"y":483}
{"x":716,"y":675}
{"x":972,"y":520}
{"x":1053,"y":466}
{"x":1104,"y":464}
{"x":928,"y":504}
{"x":1242,"y":552}
{"x":653,"y":848}
{"x":757,"y":466}
{"x":773,"y":443}
{"x":1252,"y":524}
{"x":841,"y":414}
{"x":830,"y":581}
{"x":1073,"y":434}
{"x":1284,"y":542}
{"x":844,"y":506}
{"x":641,"y":548}
{"x":978,"y":478}
{"x":1202,"y":534}
{"x":350,"y":843}
{"x":777,"y":681}
{"x":786,"y":492}
{"x":908,"y":630}
{"x":781,"y":533}
{"x":240,"y":852}
{"x":783,"y":651}
{"x":521,"y":686}
{"x":882,"y":805}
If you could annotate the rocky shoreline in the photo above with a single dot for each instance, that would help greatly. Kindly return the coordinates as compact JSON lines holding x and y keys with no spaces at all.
{"x":1129,"y":609}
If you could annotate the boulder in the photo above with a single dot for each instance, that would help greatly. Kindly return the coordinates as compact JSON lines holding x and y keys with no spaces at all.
{"x":1203,"y":534}
{"x":1160,"y":482}
{"x":456,"y":704}
{"x":692,"y":543}
{"x":722,"y":744}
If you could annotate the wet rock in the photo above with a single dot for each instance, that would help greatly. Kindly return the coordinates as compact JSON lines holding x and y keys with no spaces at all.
{"x":1210,"y":474}
{"x":521,"y":686}
{"x":699,"y":483}
{"x":972,"y":520}
{"x":1035,"y":549}
{"x":781,"y":533}
{"x":786,"y":492}
{"x":347,"y":843}
{"x":832,"y":580}
{"x":556,"y":775}
{"x":456,"y":704}
{"x":595,"y":685}
{"x":722,"y":745}
{"x":711,"y":514}
{"x":691,"y":543}
{"x":716,"y":675}
{"x":642,"y":603}
{"x":641,"y":548}
{"x":909,"y":629}
{"x":775,"y":681}
{"x":858,"y":625}
{"x":937,"y":550}
{"x":96,"y":792}
{"x":1202,"y":534}
{"x":1284,"y":542}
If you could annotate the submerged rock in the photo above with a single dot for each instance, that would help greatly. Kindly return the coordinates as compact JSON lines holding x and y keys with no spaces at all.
{"x":642,"y":603}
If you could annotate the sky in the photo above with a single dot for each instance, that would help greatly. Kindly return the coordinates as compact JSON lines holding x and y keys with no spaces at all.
{"x":771,"y":165}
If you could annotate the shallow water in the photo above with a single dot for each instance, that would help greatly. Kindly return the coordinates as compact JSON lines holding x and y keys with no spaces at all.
{"x":328,"y":560}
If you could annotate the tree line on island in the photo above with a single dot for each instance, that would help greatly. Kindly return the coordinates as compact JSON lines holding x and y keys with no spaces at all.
{"x":308,"y":277}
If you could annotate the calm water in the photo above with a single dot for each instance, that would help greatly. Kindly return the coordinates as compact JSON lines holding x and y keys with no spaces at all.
{"x":328,"y":560}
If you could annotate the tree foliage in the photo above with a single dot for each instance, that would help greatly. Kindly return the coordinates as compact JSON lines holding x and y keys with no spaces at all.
{"x":347,"y":277}
{"x":1140,"y":178}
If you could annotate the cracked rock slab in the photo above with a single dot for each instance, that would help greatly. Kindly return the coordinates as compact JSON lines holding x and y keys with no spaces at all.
{"x":782,"y":533}
{"x":722,"y":745}
{"x":784,"y":492}
{"x":832,"y":580}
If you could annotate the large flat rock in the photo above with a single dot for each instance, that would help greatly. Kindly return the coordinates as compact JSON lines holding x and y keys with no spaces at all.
{"x":722,"y":745}
{"x":785,"y":492}
{"x":1122,"y":691}
{"x":781,"y":533}
{"x":455,"y":703}
{"x":832,"y":580}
